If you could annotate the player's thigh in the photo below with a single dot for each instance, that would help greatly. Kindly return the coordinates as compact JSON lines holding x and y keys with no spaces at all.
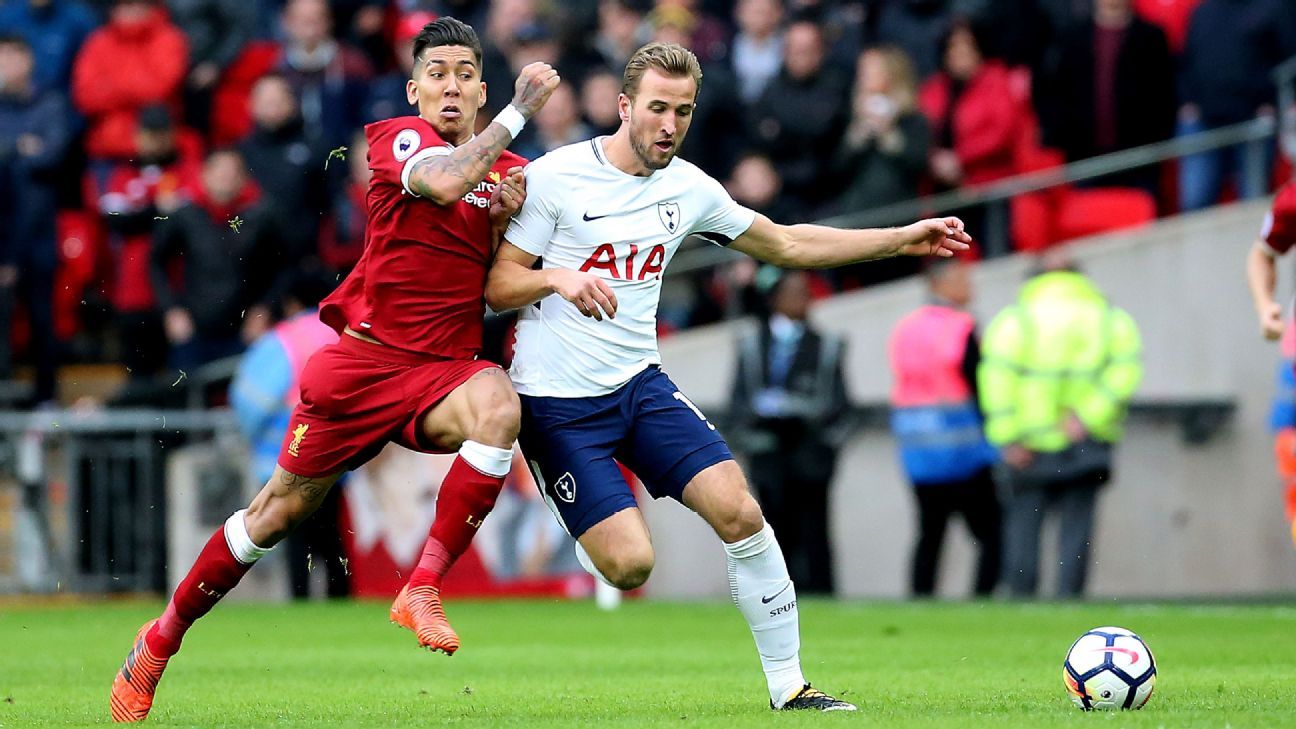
{"x":719,"y":494}
{"x":672,"y":444}
{"x":481,"y":405}
{"x":569,"y":443}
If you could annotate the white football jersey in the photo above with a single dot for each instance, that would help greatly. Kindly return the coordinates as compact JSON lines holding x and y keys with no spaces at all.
{"x":584,"y":214}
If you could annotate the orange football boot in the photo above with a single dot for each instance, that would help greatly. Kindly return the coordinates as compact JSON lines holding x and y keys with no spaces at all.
{"x":133,"y":688}
{"x":419,"y":609}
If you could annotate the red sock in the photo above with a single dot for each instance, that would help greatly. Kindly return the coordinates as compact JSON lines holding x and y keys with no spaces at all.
{"x":467,"y":496}
{"x":213,"y":574}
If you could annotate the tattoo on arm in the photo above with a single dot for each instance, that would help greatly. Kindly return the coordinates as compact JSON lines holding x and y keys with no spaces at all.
{"x":451,"y":176}
{"x":311,"y":489}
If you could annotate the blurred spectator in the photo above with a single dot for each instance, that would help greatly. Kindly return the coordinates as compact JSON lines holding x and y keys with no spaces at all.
{"x":1058,"y":369}
{"x":755,"y":184}
{"x":217,"y":31}
{"x":55,"y":30}
{"x":139,"y":58}
{"x":503,"y":21}
{"x":263,"y":394}
{"x":715,"y":136}
{"x":799,"y":118}
{"x":213,"y":261}
{"x":917,"y":26}
{"x":934,"y":357}
{"x":1232,"y":46}
{"x":599,"y":92}
{"x":361,"y":23}
{"x":1021,"y":29}
{"x":1061,"y":15}
{"x":705,"y":35}
{"x":789,"y":396}
{"x":758,"y":46}
{"x":557,"y":124}
{"x":976,"y":114}
{"x":883,"y":154}
{"x":344,"y":239}
{"x":621,"y":30}
{"x":34,"y":137}
{"x":331,"y":79}
{"x":1171,"y":16}
{"x":1108,"y":85}
{"x":136,"y":196}
{"x":286,"y":157}
{"x":388,"y":98}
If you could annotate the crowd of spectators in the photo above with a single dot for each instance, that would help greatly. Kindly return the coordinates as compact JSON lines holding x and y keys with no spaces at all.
{"x":165,"y":166}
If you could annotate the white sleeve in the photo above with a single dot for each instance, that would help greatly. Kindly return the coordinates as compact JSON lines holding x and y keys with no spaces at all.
{"x":722,"y":219}
{"x":532,"y":228}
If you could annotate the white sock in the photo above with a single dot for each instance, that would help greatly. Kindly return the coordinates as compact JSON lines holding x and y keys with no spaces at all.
{"x":489,"y":460}
{"x":763,"y":592}
{"x":238,"y":541}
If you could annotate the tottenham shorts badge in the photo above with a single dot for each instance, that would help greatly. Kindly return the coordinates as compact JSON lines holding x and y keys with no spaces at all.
{"x":565,"y":487}
{"x":669,"y":214}
{"x":405,"y":144}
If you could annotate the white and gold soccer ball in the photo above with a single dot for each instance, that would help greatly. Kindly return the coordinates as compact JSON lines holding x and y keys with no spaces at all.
{"x":1109,"y":668}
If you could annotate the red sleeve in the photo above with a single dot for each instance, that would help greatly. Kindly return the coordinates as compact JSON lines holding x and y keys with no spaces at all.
{"x":1279,"y":231}
{"x":169,"y":52}
{"x":89,"y":91}
{"x":396,"y":144}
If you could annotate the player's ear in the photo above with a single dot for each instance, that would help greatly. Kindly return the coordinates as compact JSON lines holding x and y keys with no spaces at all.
{"x":411,"y":92}
{"x":481,"y":102}
{"x":623,"y":107}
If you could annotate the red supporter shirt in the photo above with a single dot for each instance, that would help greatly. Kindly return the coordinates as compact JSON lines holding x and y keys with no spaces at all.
{"x":1279,"y":231}
{"x":420,"y":282}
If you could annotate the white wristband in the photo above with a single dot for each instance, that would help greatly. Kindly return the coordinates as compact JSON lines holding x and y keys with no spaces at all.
{"x":511,"y":119}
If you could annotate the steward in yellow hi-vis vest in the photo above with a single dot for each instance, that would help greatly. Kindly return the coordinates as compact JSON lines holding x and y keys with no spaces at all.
{"x":1057,"y":372}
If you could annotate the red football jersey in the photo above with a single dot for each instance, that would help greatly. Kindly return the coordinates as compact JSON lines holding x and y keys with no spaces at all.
{"x":419,"y":285}
{"x":1279,"y":231}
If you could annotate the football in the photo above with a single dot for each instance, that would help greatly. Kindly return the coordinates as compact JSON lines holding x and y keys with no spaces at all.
{"x":1109,"y":668}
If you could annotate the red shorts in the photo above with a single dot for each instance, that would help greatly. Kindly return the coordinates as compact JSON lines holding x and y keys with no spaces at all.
{"x":357,"y":396}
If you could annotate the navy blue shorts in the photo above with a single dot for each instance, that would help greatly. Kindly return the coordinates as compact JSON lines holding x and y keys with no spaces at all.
{"x":573,"y":446}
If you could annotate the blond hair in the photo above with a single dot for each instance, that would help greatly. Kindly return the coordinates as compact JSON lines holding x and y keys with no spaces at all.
{"x":900,"y":72}
{"x":670,"y":59}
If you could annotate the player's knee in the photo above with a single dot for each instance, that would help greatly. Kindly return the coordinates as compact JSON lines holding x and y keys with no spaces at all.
{"x":739,"y":521}
{"x":499,"y":417}
{"x":628,"y":571}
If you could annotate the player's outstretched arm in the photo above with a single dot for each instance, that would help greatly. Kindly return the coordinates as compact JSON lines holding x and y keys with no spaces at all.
{"x":513,"y":283}
{"x":818,"y":246}
{"x":448,"y":177}
{"x":1262,"y":277}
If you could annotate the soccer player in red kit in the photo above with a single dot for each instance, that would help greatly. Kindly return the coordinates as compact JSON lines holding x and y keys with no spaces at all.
{"x":1277,"y":236}
{"x":405,"y":368}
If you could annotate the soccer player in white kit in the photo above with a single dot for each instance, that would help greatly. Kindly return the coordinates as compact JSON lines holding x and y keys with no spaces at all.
{"x":605,"y":217}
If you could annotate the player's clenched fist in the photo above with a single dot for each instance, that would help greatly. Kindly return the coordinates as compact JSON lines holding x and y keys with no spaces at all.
{"x":591,"y":296}
{"x":508,"y":197}
{"x":533,"y":86}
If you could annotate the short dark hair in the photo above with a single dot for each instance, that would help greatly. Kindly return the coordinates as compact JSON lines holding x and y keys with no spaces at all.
{"x":447,"y":31}
{"x":13,"y":39}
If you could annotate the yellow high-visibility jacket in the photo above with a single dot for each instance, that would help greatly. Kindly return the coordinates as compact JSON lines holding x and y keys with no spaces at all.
{"x":1061,"y":349}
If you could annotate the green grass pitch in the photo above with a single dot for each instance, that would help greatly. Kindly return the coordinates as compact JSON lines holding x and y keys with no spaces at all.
{"x":538,"y":664}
